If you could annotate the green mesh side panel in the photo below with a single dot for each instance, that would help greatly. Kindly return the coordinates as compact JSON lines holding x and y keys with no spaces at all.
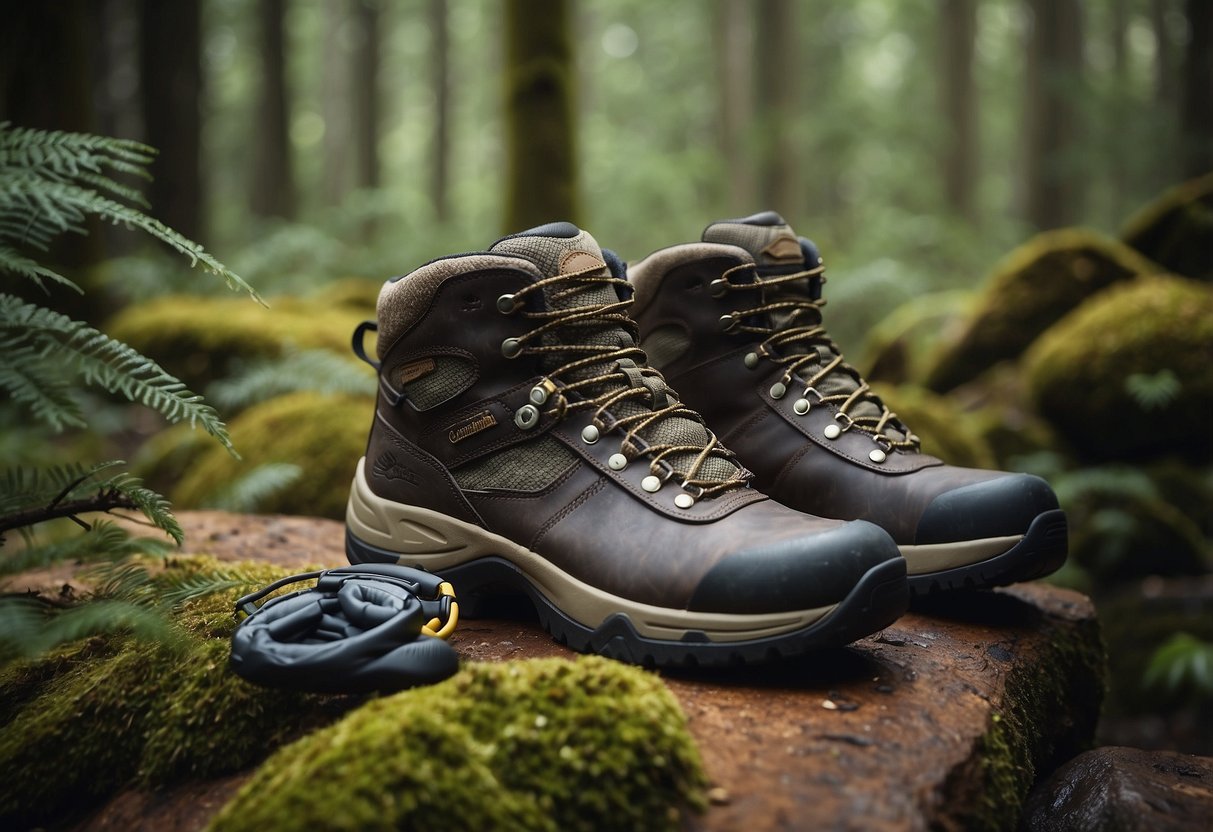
{"x":531,"y":466}
{"x":665,"y":344}
{"x":450,"y":377}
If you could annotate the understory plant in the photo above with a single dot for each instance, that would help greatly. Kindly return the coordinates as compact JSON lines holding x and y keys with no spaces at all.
{"x":51,"y":184}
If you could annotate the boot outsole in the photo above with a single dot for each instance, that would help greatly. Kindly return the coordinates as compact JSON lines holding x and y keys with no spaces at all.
{"x":878,"y":599}
{"x":1042,"y":551}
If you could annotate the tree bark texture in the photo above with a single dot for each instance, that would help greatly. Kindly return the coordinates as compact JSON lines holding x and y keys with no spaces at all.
{"x":540,"y":123}
{"x":958,"y":28}
{"x":273,"y":180}
{"x":170,"y":73}
{"x":776,"y":72}
{"x":1054,"y":71}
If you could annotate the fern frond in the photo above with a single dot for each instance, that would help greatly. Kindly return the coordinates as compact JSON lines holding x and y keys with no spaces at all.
{"x":13,"y":261}
{"x":199,"y":585}
{"x":56,"y":150}
{"x":248,"y":492}
{"x":105,"y":616}
{"x":46,"y":395}
{"x":153,"y":506}
{"x":104,"y":541}
{"x":106,"y":363}
{"x":319,"y":370}
{"x":22,"y":487}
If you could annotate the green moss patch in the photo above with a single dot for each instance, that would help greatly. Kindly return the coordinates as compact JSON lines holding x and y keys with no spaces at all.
{"x":540,"y":744}
{"x":324,"y":435}
{"x":199,"y":339}
{"x":1030,"y":290}
{"x":1176,"y":230}
{"x":108,"y":712}
{"x":1081,"y":374}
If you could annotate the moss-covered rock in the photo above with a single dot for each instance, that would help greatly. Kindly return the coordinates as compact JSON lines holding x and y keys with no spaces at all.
{"x":945,"y":429}
{"x":199,"y":339}
{"x":1086,"y":375}
{"x":897,"y":347}
{"x":1030,"y":290}
{"x":323,"y":435}
{"x":1176,"y":230}
{"x":1121,"y":538}
{"x":540,"y":744}
{"x":110,"y":711}
{"x":354,"y":293}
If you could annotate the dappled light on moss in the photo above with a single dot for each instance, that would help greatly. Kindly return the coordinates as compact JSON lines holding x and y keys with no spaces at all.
{"x":539,"y":744}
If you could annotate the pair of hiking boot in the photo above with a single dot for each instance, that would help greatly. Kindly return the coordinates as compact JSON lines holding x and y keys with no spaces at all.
{"x":528,"y":438}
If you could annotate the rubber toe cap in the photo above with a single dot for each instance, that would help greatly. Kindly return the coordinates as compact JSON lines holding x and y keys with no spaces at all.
{"x":1000,"y":507}
{"x":796,"y":574}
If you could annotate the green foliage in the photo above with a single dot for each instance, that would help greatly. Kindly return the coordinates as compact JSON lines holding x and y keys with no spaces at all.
{"x":323,"y":435}
{"x":542,"y":744}
{"x":320,"y":371}
{"x":1183,"y":664}
{"x":249,"y":492}
{"x":1153,"y":391}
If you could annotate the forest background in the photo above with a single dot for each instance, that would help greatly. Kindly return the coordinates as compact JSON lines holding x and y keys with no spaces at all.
{"x":321,"y":147}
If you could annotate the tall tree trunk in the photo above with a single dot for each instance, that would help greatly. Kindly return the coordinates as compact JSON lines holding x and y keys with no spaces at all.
{"x":365,"y":98}
{"x":777,"y":70}
{"x":170,"y":73}
{"x":273,"y":181}
{"x":1053,"y":74}
{"x":1118,"y":114}
{"x":440,"y":66}
{"x":958,"y":28}
{"x":1196,"y":105}
{"x":540,"y":134}
{"x":1164,"y":59}
{"x":732,"y":34}
{"x":334,"y":104}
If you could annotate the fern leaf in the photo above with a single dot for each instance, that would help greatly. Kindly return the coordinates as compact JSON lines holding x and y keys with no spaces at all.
{"x":13,"y":261}
{"x":153,"y":506}
{"x":248,"y":492}
{"x":318,"y":370}
{"x":107,"y":363}
{"x":104,"y":541}
{"x":105,"y":616}
{"x":46,"y":396}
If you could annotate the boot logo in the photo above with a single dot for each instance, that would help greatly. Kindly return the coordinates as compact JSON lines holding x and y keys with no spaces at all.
{"x":388,"y":468}
{"x":482,"y":421}
{"x":416,"y":369}
{"x":783,"y":247}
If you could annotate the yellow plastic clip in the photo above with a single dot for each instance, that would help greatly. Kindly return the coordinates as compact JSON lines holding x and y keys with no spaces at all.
{"x":436,"y":627}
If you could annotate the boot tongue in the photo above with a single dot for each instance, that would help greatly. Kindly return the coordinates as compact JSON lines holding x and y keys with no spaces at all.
{"x":563,"y":248}
{"x":778,"y":251}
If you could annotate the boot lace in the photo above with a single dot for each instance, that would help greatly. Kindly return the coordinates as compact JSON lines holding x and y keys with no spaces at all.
{"x":602,"y":376}
{"x":793,"y":343}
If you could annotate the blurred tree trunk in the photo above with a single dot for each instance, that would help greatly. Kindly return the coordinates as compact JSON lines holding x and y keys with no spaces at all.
{"x":777,"y":69}
{"x":732,"y":35}
{"x":1054,"y":69}
{"x":365,"y":98}
{"x":45,"y":82}
{"x":273,"y":181}
{"x":1164,"y":60}
{"x":958,"y":28}
{"x":170,"y":74}
{"x":440,"y":65}
{"x":540,"y":138}
{"x":1114,"y":130}
{"x":1196,"y":105}
{"x":335,"y":104}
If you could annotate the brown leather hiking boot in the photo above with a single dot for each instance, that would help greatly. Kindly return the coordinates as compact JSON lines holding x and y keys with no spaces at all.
{"x":522,"y":444}
{"x":735,"y":323}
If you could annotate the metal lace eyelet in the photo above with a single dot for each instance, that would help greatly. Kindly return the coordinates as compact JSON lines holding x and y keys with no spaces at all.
{"x":719,"y":287}
{"x":538,"y":395}
{"x":832,"y":431}
{"x":684,"y":500}
{"x":651,"y":484}
{"x":511,"y":347}
{"x":617,"y":462}
{"x":526,"y":417}
{"x":506,"y":305}
{"x":751,"y":360}
{"x":800,"y":406}
{"x":777,"y":390}
{"x":728,"y":323}
{"x":590,"y":434}
{"x":877,"y":455}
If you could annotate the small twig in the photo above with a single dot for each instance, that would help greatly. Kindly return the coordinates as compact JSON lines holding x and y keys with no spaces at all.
{"x":101,"y":501}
